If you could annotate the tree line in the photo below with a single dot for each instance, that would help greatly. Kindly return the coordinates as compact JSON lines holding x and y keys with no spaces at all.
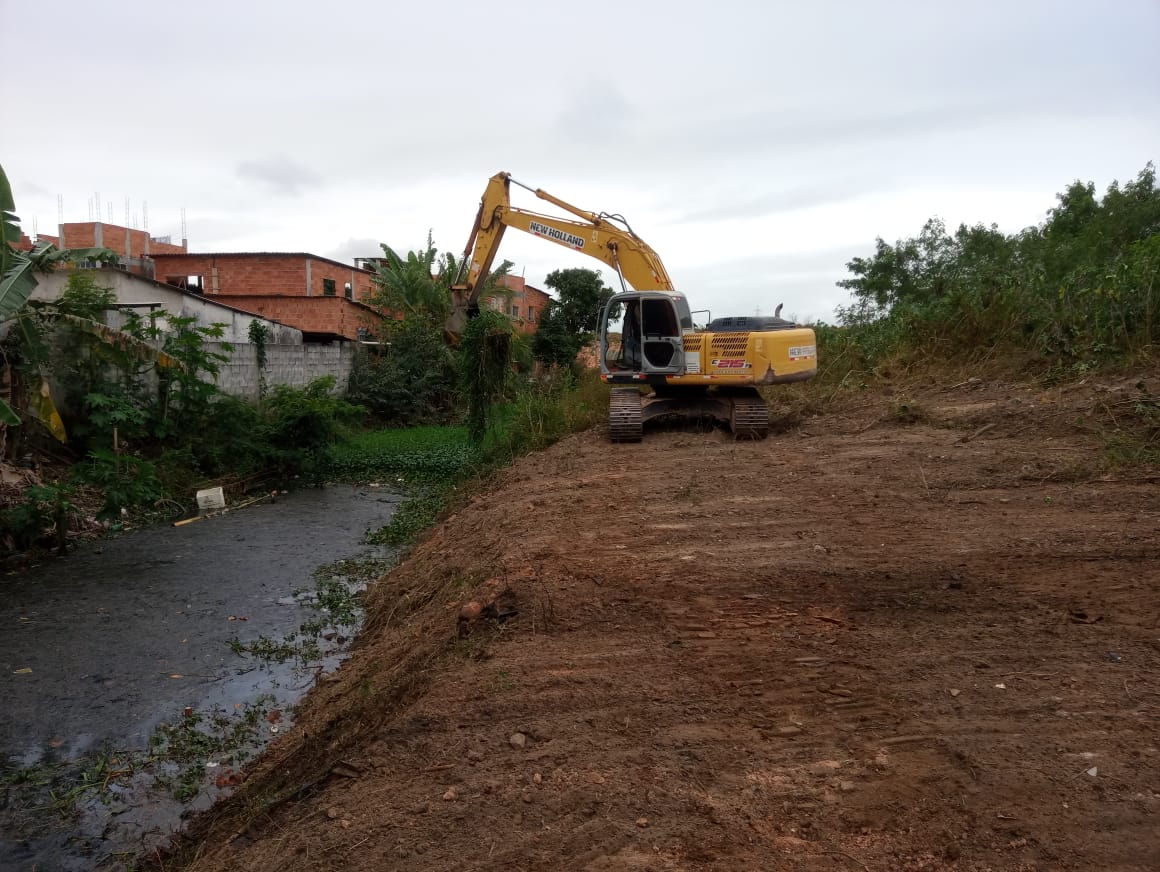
{"x":1078,"y":289}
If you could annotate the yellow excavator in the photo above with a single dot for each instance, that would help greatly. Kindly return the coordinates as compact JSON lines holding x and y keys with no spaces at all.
{"x":646,"y":335}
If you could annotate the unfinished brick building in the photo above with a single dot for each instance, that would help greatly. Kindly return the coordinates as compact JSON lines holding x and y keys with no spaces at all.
{"x":525,"y":305}
{"x":317,"y":295}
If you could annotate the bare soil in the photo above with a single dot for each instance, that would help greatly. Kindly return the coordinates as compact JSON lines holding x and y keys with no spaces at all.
{"x":890,"y":638}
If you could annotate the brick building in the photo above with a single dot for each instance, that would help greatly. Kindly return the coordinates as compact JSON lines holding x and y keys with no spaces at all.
{"x":136,"y":248}
{"x":525,"y":304}
{"x":317,"y":295}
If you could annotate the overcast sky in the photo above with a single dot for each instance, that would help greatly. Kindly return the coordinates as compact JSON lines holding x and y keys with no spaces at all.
{"x":757,"y":146}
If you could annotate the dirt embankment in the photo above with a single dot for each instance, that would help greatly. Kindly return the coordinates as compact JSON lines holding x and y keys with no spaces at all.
{"x":894,"y":638}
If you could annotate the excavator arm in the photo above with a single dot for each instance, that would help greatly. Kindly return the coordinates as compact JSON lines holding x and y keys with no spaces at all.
{"x":605,"y":237}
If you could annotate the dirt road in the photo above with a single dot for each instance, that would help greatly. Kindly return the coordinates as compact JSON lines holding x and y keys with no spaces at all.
{"x":869,"y":642}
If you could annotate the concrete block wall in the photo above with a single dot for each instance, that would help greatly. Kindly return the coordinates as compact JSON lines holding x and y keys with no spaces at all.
{"x":294,"y":365}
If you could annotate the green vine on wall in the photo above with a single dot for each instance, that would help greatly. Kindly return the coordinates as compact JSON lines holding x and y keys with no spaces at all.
{"x":259,"y":335}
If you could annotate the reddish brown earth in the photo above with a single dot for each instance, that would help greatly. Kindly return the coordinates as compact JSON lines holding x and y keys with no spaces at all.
{"x":860,"y":644}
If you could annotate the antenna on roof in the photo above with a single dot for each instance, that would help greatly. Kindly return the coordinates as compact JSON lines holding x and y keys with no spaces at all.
{"x":126,"y":211}
{"x":145,"y":215}
{"x":184,"y":233}
{"x":35,"y":232}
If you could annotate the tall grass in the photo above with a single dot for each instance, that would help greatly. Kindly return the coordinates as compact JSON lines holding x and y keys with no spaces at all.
{"x":433,"y":463}
{"x":543,"y":413}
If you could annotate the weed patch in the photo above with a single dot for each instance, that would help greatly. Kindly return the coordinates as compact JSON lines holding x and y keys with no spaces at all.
{"x":204,"y":741}
{"x":337,"y":601}
{"x":413,"y":516}
{"x":414,"y":456}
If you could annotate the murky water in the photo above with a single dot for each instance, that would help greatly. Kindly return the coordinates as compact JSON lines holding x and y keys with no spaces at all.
{"x":99,"y":647}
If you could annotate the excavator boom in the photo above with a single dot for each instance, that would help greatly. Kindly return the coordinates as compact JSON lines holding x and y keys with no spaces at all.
{"x":597,"y":235}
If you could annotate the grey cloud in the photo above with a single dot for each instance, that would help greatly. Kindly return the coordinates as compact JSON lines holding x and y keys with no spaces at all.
{"x":279,"y":174}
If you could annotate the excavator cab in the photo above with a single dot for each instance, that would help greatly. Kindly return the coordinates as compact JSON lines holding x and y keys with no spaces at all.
{"x":651,"y":324}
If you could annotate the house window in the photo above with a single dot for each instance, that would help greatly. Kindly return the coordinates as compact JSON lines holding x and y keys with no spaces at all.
{"x":348,"y":290}
{"x":328,"y":287}
{"x":188,"y":283}
{"x":515,"y":311}
{"x":531,"y":313}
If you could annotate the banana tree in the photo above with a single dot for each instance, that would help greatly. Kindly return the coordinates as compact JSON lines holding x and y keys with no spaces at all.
{"x":18,"y":270}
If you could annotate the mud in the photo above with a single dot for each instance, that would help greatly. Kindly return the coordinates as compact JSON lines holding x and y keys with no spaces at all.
{"x":875,"y":641}
{"x":126,"y":633}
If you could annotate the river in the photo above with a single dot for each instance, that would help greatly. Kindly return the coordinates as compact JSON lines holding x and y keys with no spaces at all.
{"x":103,"y":645}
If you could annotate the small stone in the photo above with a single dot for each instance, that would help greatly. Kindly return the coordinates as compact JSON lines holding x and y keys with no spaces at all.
{"x":422,"y":808}
{"x":824,"y":767}
{"x":474,"y":755}
{"x":344,"y":823}
{"x":528,"y":796}
{"x":846,"y":786}
{"x":1093,"y":772}
{"x":954,"y":691}
{"x":332,"y":813}
{"x":451,"y":795}
{"x":642,"y":822}
{"x":788,"y":731}
{"x":518,"y":740}
{"x":537,"y":778}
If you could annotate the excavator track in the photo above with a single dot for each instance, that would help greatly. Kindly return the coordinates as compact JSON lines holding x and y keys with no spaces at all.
{"x":624,"y":420}
{"x":749,"y":416}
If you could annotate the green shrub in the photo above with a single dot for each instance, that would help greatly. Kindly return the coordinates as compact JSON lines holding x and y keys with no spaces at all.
{"x":300,"y":423}
{"x":411,"y":382}
{"x":125,"y":481}
{"x":1081,"y":289}
{"x":43,"y":509}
